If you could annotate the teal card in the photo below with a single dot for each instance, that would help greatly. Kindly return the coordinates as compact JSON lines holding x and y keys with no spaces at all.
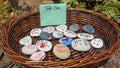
{"x":52,"y":14}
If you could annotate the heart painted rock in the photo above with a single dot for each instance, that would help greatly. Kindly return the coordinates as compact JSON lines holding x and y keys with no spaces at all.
{"x":27,"y":40}
{"x":29,"y":49}
{"x":38,"y":56}
{"x":35,"y":32}
{"x":81,"y":45}
{"x":61,"y":51}
{"x":85,"y":36}
{"x":44,"y":45}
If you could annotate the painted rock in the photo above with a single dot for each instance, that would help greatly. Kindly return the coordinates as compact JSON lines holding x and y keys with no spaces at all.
{"x":44,"y":45}
{"x":48,"y":29}
{"x":97,"y":43}
{"x":88,"y":28}
{"x":35,"y":32}
{"x":70,"y":33}
{"x":66,"y":41}
{"x":38,"y":56}
{"x":80,"y":45}
{"x":74,"y":27}
{"x":85,"y":36}
{"x":29,"y":49}
{"x":57,"y":34}
{"x":61,"y":51}
{"x":61,"y":28}
{"x":45,"y":36}
{"x":27,"y":40}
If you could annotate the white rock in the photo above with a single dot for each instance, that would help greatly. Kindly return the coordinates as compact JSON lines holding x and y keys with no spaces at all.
{"x":35,"y":32}
{"x":38,"y":56}
{"x":97,"y":43}
{"x":85,"y":36}
{"x":61,"y":28}
{"x":27,"y":40}
{"x":70,"y":33}
{"x":49,"y":29}
{"x":29,"y":49}
{"x":81,"y":45}
{"x":57,"y":34}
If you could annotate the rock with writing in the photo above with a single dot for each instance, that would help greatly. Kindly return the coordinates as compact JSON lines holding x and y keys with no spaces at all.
{"x":35,"y":32}
{"x":70,"y":33}
{"x":49,"y":29}
{"x":29,"y":49}
{"x":27,"y":40}
{"x":80,"y":45}
{"x":74,"y":27}
{"x":97,"y":43}
{"x":61,"y":28}
{"x":86,"y":36}
{"x":57,"y":34}
{"x":38,"y":56}
{"x":44,"y":45}
{"x":61,"y":51}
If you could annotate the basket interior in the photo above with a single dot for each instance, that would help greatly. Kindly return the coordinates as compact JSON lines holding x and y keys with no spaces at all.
{"x":104,"y":30}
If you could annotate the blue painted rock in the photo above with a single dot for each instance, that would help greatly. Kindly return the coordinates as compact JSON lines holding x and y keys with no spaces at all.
{"x":66,"y":41}
{"x":88,"y":28}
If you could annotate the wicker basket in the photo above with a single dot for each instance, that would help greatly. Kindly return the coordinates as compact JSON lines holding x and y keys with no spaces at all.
{"x":106,"y":29}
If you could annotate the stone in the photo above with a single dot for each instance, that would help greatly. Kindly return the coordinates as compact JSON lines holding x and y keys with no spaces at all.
{"x":61,"y":28}
{"x":97,"y":43}
{"x":49,"y":29}
{"x":44,"y":45}
{"x":74,"y":27}
{"x":38,"y":56}
{"x":45,"y":36}
{"x":57,"y":34}
{"x":35,"y":32}
{"x":86,"y":36}
{"x":61,"y":51}
{"x":66,"y":41}
{"x":27,"y":40}
{"x":70,"y":33}
{"x":88,"y":28}
{"x":29,"y":49}
{"x":80,"y":45}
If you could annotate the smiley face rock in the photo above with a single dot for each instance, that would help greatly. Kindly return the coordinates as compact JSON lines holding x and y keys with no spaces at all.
{"x":97,"y":43}
{"x":27,"y":40}
{"x":29,"y":49}
{"x":44,"y":45}
{"x":81,"y":45}
{"x":38,"y":56}
{"x":61,"y":51}
{"x":35,"y":32}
